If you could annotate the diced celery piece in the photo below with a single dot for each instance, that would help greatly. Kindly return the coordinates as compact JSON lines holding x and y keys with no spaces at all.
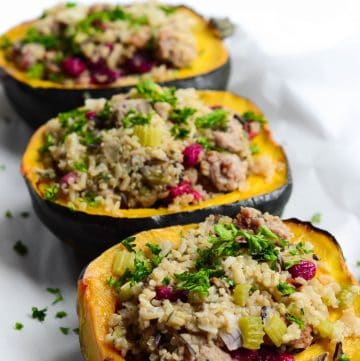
{"x":276,"y":328}
{"x":346,"y":296}
{"x":252,"y":332}
{"x":125,"y":292}
{"x":149,"y":135}
{"x":123,"y":259}
{"x":241,"y":294}
{"x":325,"y":328}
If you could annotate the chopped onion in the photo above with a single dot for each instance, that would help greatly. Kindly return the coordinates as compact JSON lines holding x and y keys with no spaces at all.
{"x":232,"y":340}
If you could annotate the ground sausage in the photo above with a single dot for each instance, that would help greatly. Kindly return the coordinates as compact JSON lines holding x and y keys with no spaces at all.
{"x":305,"y":339}
{"x":226,"y":171}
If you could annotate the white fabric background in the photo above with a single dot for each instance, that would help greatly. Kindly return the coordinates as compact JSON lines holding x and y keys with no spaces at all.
{"x":298,"y":60}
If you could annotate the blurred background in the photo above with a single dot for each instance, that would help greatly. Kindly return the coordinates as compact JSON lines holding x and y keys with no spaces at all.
{"x":298,"y":61}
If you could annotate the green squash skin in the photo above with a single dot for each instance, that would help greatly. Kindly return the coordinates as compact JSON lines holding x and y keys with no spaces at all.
{"x":90,"y":235}
{"x":38,"y":105}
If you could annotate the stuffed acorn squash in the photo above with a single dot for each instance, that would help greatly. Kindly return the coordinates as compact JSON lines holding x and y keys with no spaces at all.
{"x":76,"y":51}
{"x":253,"y":288}
{"x":150,"y":158}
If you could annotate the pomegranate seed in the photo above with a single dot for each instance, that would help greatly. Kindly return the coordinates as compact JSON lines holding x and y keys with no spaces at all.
{"x":73,"y":66}
{"x":192,"y":154}
{"x":304,"y":269}
{"x":67,"y":178}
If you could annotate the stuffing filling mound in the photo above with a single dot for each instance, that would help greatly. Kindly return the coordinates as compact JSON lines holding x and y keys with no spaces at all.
{"x":151,"y":147}
{"x":77,"y":44}
{"x":234,"y":289}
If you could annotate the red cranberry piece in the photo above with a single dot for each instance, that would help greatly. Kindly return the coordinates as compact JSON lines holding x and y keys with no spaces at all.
{"x":90,"y":115}
{"x":183,"y":188}
{"x":192,"y":154}
{"x":100,"y":25}
{"x":284,"y":357}
{"x":168,"y":293}
{"x":140,"y":64}
{"x":304,"y":269}
{"x":73,"y":66}
{"x":104,"y":76}
{"x":67,"y":178}
{"x":242,"y":354}
{"x":252,"y":129}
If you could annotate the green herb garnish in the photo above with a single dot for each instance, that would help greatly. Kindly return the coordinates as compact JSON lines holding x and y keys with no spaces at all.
{"x":155,"y":249}
{"x":255,"y":149}
{"x":48,"y":41}
{"x":214,"y":120}
{"x":316,"y":218}
{"x":179,"y":132}
{"x":51,"y":192}
{"x":8,"y":214}
{"x":58,"y":296}
{"x":36,"y":71}
{"x":134,"y":118}
{"x":76,"y":330}
{"x":48,"y":142}
{"x":285,"y":288}
{"x":168,"y":10}
{"x":153,"y":92}
{"x":18,"y":326}
{"x":343,"y":357}
{"x":25,"y":214}
{"x":181,"y":115}
{"x":194,"y":281}
{"x":5,"y":43}
{"x":20,"y":248}
{"x":38,"y":314}
{"x":64,"y":330}
{"x":61,"y":314}
{"x":166,"y":281}
{"x":289,"y":264}
{"x":80,"y":166}
{"x":252,"y":117}
{"x":129,"y":243}
{"x":296,"y":320}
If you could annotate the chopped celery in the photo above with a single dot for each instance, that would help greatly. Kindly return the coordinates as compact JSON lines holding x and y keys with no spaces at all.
{"x":123,"y":259}
{"x":252,"y":332}
{"x":275,"y":328}
{"x":125,"y":292}
{"x":149,"y":135}
{"x":346,"y":296}
{"x":325,"y":328}
{"x":241,"y":294}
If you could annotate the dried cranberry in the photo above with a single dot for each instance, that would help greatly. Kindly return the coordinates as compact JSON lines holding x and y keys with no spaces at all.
{"x":73,"y":66}
{"x":168,"y":293}
{"x":102,"y":74}
{"x":99,"y":25}
{"x":242,"y":354}
{"x":304,"y":269}
{"x":183,"y":188}
{"x":192,"y":154}
{"x":91,"y":115}
{"x":139,"y":64}
{"x":249,"y":128}
{"x":67,"y":178}
{"x":284,"y":357}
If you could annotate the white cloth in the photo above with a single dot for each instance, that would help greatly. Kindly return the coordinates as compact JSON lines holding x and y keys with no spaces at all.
{"x":298,"y":61}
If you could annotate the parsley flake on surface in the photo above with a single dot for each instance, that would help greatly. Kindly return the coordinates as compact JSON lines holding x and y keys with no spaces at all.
{"x":296,"y":320}
{"x":24,"y":214}
{"x":285,"y":288}
{"x":181,"y":115}
{"x":166,"y":281}
{"x":51,"y":192}
{"x":133,"y":117}
{"x":76,"y":330}
{"x":179,"y":132}
{"x":61,"y":314}
{"x":343,"y":358}
{"x":18,"y":326}
{"x":38,"y":314}
{"x":155,"y":249}
{"x":129,"y":243}
{"x":252,"y":117}
{"x":214,"y":120}
{"x":20,"y":248}
{"x":58,"y":296}
{"x":194,"y":281}
{"x":153,"y":92}
{"x":64,"y":330}
{"x":255,"y":149}
{"x":8,"y":214}
{"x":316,"y":218}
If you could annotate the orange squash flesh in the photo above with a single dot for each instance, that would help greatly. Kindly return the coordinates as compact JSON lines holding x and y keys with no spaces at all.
{"x":97,"y":302}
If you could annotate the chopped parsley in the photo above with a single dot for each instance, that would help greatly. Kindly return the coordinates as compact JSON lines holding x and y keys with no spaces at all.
{"x":8,"y":214}
{"x":58,"y":295}
{"x":129,"y":243}
{"x":38,"y":314}
{"x":105,"y":113}
{"x":181,"y":115}
{"x":76,"y":330}
{"x":285,"y":288}
{"x":194,"y":281}
{"x":156,"y":257}
{"x":297,"y":320}
{"x":300,"y":249}
{"x":252,"y":117}
{"x":5,"y":42}
{"x":20,"y":248}
{"x":179,"y":132}
{"x":255,"y":149}
{"x":289,"y":264}
{"x":214,"y":120}
{"x":135,"y":118}
{"x":48,"y":142}
{"x":166,"y":281}
{"x":36,"y":71}
{"x":153,"y":92}
{"x":61,"y":314}
{"x":206,"y":143}
{"x":48,"y":41}
{"x":90,"y":199}
{"x":64,"y":330}
{"x":80,"y":166}
{"x":168,"y":9}
{"x":70,"y":5}
{"x":73,"y":120}
{"x":343,"y":357}
{"x":18,"y":326}
{"x":316,"y":218}
{"x":51,"y":192}
{"x":358,"y":264}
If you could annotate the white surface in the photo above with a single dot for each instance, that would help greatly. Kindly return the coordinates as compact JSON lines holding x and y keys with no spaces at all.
{"x":298,"y":60}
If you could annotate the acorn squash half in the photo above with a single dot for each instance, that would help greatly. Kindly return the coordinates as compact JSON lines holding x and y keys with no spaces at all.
{"x":97,"y":301}
{"x":96,"y":229}
{"x":210,"y":70}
